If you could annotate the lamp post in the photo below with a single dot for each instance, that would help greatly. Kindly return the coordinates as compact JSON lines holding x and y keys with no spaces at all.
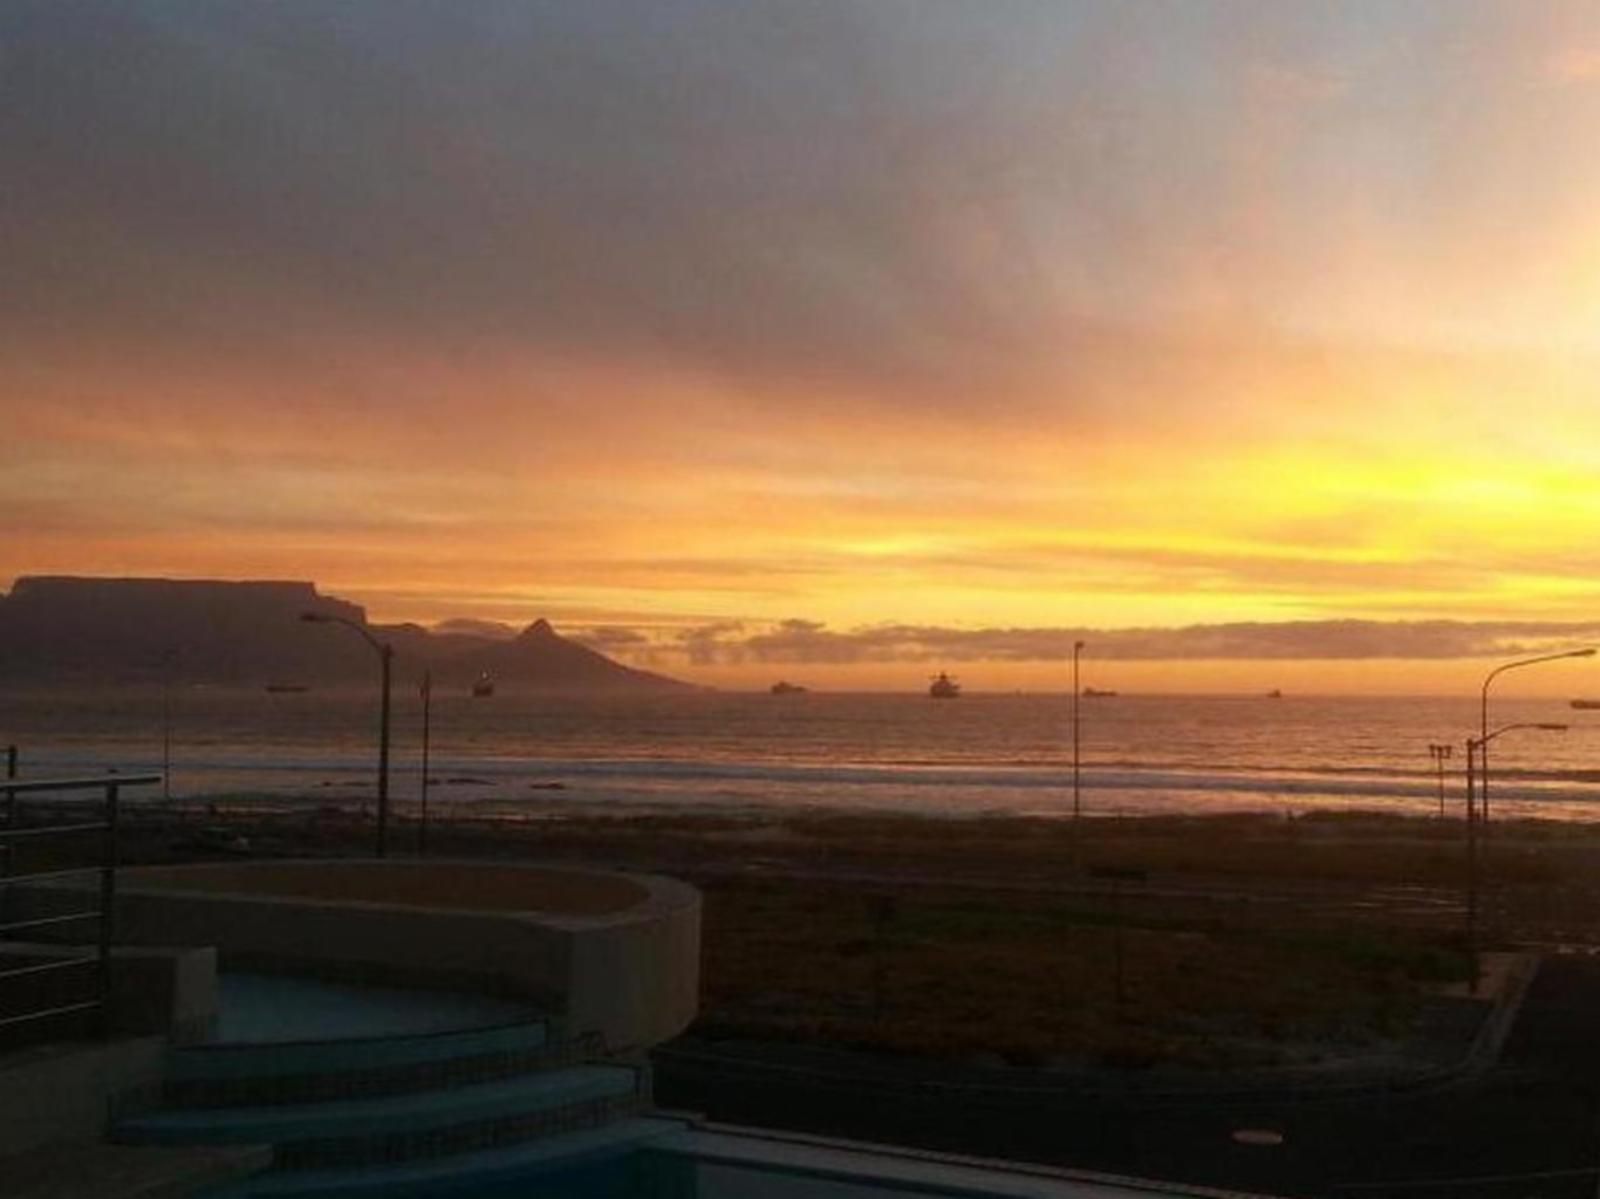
{"x":1472,"y":874}
{"x":1477,"y":751}
{"x":1439,"y":753}
{"x":1077,"y":692}
{"x":169,"y":662}
{"x":1484,"y":736}
{"x":385,"y":653}
{"x":427,"y":706}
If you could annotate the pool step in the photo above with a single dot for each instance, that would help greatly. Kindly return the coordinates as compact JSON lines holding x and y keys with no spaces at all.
{"x":409,"y":1125}
{"x":222,"y":1075}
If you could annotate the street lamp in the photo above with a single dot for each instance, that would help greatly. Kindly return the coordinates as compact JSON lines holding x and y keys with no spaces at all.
{"x":1439,"y":753}
{"x":427,"y":718}
{"x":1484,"y":736}
{"x":385,"y":653}
{"x":1077,"y":692}
{"x":1479,"y":747}
{"x":169,"y":661}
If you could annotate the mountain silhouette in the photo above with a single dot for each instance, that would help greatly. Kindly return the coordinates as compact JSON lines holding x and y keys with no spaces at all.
{"x":541,"y":658}
{"x":65,"y":630}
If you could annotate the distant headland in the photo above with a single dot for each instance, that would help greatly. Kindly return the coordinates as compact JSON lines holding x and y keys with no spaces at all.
{"x":70,"y":630}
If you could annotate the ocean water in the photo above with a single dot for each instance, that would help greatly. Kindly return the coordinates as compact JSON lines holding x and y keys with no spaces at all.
{"x":537,"y":755}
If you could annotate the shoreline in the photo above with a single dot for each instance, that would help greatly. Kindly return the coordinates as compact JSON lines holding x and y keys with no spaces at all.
{"x":1033,"y":789}
{"x":553,"y":801}
{"x":749,"y":752}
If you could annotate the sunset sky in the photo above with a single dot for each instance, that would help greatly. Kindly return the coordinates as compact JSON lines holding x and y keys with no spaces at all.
{"x":673,"y":321}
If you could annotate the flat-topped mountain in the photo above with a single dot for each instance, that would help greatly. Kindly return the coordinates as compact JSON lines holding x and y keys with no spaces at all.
{"x":74,"y":630}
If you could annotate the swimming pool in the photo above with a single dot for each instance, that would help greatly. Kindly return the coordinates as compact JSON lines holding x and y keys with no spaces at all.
{"x":702,"y":1162}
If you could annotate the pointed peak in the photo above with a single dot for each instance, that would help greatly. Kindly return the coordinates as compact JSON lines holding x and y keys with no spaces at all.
{"x":539,"y":628}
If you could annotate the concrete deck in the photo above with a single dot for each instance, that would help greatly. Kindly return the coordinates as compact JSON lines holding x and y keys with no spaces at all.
{"x":99,"y":1171}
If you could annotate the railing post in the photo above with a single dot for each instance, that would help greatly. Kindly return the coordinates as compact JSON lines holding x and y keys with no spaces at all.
{"x":386,"y":653}
{"x":427,"y":711}
{"x":11,"y":796}
{"x":1472,"y":869}
{"x":108,"y":905}
{"x":8,"y":820}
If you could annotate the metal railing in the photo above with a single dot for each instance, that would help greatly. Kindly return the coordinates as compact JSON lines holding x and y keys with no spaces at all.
{"x":16,"y":836}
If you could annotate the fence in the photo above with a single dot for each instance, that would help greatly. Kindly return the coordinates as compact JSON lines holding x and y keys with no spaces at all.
{"x":54,"y":837}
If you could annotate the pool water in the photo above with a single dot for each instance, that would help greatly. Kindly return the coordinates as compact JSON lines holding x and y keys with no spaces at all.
{"x":256,"y":1008}
{"x":800,"y":1172}
{"x":654,"y":1175}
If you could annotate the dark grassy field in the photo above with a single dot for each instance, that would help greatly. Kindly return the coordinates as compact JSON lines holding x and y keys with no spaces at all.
{"x":1215,"y":943}
{"x":1040,"y":979}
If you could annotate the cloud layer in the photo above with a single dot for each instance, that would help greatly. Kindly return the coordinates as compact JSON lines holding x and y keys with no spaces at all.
{"x":812,"y":642}
{"x":902,"y":194}
{"x":709,"y":311}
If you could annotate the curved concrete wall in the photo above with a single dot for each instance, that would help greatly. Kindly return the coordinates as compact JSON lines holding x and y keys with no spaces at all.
{"x":626,"y":965}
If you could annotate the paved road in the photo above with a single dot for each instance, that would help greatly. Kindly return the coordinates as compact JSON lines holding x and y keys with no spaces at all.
{"x":1530,"y":1128}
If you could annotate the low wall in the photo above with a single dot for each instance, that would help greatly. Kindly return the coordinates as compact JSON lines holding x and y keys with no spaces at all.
{"x":617,"y":954}
{"x":60,"y":1093}
{"x":164,"y":991}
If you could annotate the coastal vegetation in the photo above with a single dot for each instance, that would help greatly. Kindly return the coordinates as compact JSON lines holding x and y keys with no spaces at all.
{"x":1035,"y":979}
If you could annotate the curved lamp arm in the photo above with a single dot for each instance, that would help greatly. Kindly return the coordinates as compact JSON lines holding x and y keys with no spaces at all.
{"x":324,"y":618}
{"x":1483,"y":712}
